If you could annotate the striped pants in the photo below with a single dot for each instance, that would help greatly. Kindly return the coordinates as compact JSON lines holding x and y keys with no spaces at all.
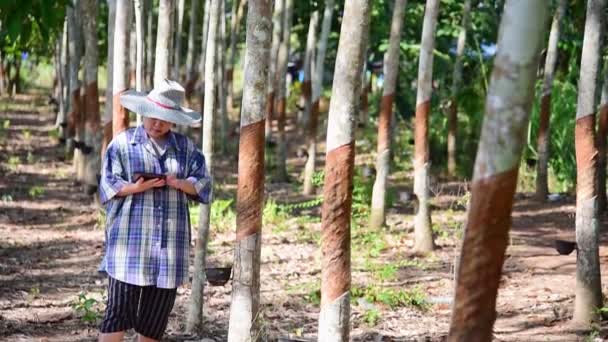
{"x":143,"y":308}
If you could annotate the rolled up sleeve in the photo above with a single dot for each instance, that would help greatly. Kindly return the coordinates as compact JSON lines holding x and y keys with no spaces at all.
{"x":112,"y":174}
{"x":199,"y":177}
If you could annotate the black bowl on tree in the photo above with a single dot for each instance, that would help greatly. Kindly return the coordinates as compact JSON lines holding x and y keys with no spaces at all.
{"x":564,"y":247}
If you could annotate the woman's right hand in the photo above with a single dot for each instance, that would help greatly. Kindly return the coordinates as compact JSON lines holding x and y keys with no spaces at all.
{"x":141,"y":185}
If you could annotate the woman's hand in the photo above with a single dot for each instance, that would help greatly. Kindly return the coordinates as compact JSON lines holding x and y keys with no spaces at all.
{"x":181,"y":185}
{"x":141,"y":185}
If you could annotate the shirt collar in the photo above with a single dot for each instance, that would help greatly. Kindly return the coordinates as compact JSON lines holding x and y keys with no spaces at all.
{"x":140,"y":137}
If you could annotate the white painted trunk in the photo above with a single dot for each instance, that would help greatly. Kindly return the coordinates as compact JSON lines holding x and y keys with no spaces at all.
{"x":221,"y":76}
{"x":204,"y":42}
{"x":149,"y":45}
{"x":277,"y":32}
{"x":163,"y":40}
{"x":139,"y":58}
{"x":107,"y":117}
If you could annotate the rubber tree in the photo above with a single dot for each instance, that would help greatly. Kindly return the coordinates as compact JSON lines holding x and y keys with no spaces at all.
{"x":456,"y":83}
{"x":75,"y":128}
{"x":221,"y":78}
{"x":244,"y":308}
{"x":339,"y":168}
{"x":588,"y":291}
{"x":163,"y":40}
{"x":191,"y":75}
{"x":149,"y":44}
{"x":281,"y":91}
{"x":391,"y":71}
{"x":195,"y":314}
{"x":317,"y":86}
{"x":544,"y":137}
{"x":62,"y":119}
{"x":93,"y":134}
{"x":120,"y":115}
{"x":178,"y":40}
{"x":423,"y":235}
{"x":139,"y":46}
{"x":307,"y":67}
{"x":503,"y":137}
{"x":602,"y":132}
{"x":106,"y":119}
{"x":311,"y":41}
{"x":201,"y":66}
{"x":238,"y":8}
{"x":277,"y":28}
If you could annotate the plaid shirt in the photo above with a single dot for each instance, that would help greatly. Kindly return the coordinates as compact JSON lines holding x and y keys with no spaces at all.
{"x":148,"y":233}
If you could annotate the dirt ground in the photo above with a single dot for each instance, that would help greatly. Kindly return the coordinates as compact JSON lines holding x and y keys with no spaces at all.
{"x":51,"y":244}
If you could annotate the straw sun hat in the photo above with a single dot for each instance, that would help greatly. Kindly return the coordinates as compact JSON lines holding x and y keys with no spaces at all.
{"x":163,"y":103}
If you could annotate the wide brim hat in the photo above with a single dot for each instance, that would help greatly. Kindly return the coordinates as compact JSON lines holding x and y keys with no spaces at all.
{"x":163,"y":103}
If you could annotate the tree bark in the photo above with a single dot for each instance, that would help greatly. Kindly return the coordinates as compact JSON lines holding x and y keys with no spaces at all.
{"x":106,"y":120}
{"x":193,"y":30}
{"x":75,"y":126}
{"x":544,"y":138}
{"x":507,"y":114}
{"x":311,"y":41}
{"x":423,"y":239}
{"x":149,"y":45}
{"x":317,"y":86}
{"x":204,"y":51}
{"x":238,"y":7}
{"x":120,"y":117}
{"x":178,"y":40}
{"x":62,"y":120}
{"x":339,"y":167}
{"x":244,"y":308}
{"x":391,"y":71}
{"x":139,"y":57}
{"x":163,"y":40}
{"x":281,"y":91}
{"x":221,"y":78}
{"x":277,"y":32}
{"x":195,"y":315}
{"x":588,"y":281}
{"x":456,"y":81}
{"x":602,"y":131}
{"x":93,"y":135}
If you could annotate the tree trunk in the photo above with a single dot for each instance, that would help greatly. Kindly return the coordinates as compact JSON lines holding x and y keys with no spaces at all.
{"x":120,"y":115}
{"x":204,"y":51}
{"x":62,"y":120}
{"x":317,"y":86}
{"x":139,"y":57}
{"x":311,"y":41}
{"x":602,"y":131}
{"x":391,"y":71}
{"x":238,"y":7}
{"x":456,"y":81}
{"x":178,"y":40}
{"x":195,"y":315}
{"x":243,"y":324}
{"x":132,"y":51}
{"x":277,"y":32}
{"x":191,"y":74}
{"x":163,"y":40}
{"x":106,"y":120}
{"x":588,"y":282}
{"x":339,"y":167}
{"x":507,"y":114}
{"x":281,"y":90}
{"x":93,"y":135}
{"x":150,"y":39}
{"x":365,"y":90}
{"x":544,"y":138}
{"x":221,"y":77}
{"x":2,"y":74}
{"x":75,"y":127}
{"x":423,"y":240}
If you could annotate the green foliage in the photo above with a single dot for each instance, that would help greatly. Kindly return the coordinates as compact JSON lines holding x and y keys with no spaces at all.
{"x":368,"y":242}
{"x":372,"y":317}
{"x":13,"y":162}
{"x":36,"y":191}
{"x":414,"y":298}
{"x":88,"y":308}
{"x":318,"y":178}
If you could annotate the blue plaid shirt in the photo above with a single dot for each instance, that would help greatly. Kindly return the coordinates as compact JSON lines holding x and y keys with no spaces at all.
{"x":148,"y":233}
